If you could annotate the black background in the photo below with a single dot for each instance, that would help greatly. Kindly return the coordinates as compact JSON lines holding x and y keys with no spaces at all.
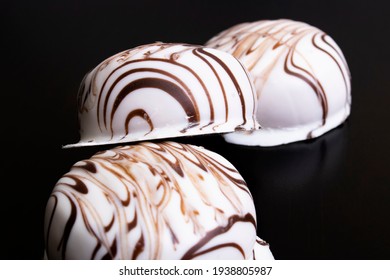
{"x":322,"y":199}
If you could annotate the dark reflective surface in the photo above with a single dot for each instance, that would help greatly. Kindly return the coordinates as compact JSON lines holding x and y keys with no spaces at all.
{"x":298,"y":190}
{"x":297,"y":187}
{"x":323,"y":199}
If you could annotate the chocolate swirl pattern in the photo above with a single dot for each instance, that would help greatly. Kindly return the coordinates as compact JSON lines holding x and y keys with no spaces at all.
{"x":301,"y":78}
{"x":164,"y":90}
{"x":152,"y":201}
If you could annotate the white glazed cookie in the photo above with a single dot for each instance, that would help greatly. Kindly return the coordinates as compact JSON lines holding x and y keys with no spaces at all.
{"x":164,"y":90}
{"x":301,"y":78}
{"x":153,"y":201}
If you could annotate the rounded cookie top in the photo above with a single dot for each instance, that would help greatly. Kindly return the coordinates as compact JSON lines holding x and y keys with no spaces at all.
{"x":301,"y":78}
{"x":164,"y":90}
{"x":151,"y":201}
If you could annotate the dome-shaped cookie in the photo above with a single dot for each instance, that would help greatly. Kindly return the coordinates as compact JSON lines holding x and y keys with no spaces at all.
{"x":164,"y":90}
{"x":153,"y":201}
{"x":301,"y":78}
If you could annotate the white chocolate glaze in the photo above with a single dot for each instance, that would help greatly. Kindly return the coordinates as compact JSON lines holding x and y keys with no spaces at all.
{"x":261,"y":250}
{"x":301,"y":78}
{"x":152,"y":201}
{"x":164,"y":90}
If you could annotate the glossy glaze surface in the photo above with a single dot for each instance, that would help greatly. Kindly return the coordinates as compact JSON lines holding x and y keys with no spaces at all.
{"x":164,"y":90}
{"x":153,"y":201}
{"x":301,"y":77}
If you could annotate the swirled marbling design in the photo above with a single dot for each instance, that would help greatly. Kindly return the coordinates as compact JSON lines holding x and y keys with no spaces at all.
{"x":301,"y":78}
{"x":152,"y":201}
{"x":164,"y":90}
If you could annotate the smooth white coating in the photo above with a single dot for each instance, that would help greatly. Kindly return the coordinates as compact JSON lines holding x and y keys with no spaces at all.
{"x":153,"y":201}
{"x":301,"y":78}
{"x":162,"y":91}
{"x":261,"y":250}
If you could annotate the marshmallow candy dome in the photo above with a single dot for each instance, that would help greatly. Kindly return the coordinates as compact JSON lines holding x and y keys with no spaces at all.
{"x":301,"y":78}
{"x":153,"y":201}
{"x":164,"y":90}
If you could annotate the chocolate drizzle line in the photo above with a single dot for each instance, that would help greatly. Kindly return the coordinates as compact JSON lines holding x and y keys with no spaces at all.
{"x":83,"y":207}
{"x":194,"y":252}
{"x":78,"y":186}
{"x":138,"y":113}
{"x":182,"y":149}
{"x":89,"y":166}
{"x":51,"y":219}
{"x":167,"y":162}
{"x":112,"y":252}
{"x":68,"y":228}
{"x":109,"y":226}
{"x":217,"y":247}
{"x":148,"y":58}
{"x":232,"y":77}
{"x":128,"y":61}
{"x":168,"y":87}
{"x":133,"y":223}
{"x":137,"y":70}
{"x":261,"y":242}
{"x":317,"y":87}
{"x":285,"y":33}
{"x":240,"y":183}
{"x":323,"y":36}
{"x":196,"y":53}
{"x":139,"y":248}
